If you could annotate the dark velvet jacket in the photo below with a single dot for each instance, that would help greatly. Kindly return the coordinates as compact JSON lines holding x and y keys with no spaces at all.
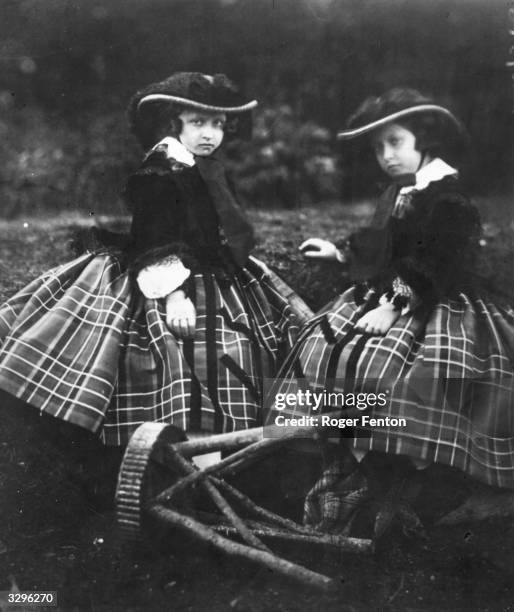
{"x":433,"y":248}
{"x":176,"y":212}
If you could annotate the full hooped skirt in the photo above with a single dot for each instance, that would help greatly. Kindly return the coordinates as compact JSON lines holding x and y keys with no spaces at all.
{"x":448,"y":372}
{"x":83,"y":344}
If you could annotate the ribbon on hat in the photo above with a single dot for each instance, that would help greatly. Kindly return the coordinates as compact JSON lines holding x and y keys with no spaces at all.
{"x":237,"y":229}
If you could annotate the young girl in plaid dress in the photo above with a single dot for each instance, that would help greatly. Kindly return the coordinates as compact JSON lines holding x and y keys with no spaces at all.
{"x":179,"y":324}
{"x":414,"y":327}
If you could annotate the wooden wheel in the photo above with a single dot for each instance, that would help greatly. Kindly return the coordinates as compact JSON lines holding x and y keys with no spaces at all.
{"x":143,"y":474}
{"x":155,"y":470}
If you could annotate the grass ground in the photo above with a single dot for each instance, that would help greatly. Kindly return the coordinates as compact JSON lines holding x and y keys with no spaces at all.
{"x":58,"y":531}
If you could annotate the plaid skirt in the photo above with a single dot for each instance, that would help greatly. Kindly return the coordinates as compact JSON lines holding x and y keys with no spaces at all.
{"x":448,"y":373}
{"x":83,"y":344}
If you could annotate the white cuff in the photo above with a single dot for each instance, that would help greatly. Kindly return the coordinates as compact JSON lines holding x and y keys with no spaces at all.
{"x":160,"y":279}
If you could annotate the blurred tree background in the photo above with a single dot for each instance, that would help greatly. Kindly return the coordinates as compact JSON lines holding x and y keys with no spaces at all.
{"x":68,"y":68}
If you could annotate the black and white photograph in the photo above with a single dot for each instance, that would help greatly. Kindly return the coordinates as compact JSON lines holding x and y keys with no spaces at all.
{"x":256,"y":305}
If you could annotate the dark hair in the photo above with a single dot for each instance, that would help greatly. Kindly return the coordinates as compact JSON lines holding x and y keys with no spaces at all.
{"x":151,"y":122}
{"x":162,"y":119}
{"x":434,"y":134}
{"x":428,"y":133}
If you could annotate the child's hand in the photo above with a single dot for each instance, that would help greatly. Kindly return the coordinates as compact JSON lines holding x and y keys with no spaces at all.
{"x":316,"y":248}
{"x":180,"y":314}
{"x":379,"y":320}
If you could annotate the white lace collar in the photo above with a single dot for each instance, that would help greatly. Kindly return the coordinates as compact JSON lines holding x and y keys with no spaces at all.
{"x":175,"y":150}
{"x":435,"y":170}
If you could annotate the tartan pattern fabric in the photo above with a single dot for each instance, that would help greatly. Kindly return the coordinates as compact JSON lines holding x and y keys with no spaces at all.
{"x":334,"y":497}
{"x":449,"y":372}
{"x":81,"y":343}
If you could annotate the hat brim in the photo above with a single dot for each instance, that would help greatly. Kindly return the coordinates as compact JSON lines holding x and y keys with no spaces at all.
{"x":198,"y":105}
{"x":412,"y":110}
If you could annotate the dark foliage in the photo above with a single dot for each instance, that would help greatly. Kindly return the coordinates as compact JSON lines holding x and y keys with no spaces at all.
{"x":69,"y":68}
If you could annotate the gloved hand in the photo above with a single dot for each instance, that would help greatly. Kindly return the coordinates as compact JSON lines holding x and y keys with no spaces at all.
{"x":180,"y":314}
{"x":316,"y":248}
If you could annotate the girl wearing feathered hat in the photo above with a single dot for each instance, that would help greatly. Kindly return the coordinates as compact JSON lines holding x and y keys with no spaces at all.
{"x":181,"y":324}
{"x":413,"y":327}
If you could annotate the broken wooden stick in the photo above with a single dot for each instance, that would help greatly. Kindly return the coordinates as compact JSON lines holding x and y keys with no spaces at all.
{"x":221,"y":502}
{"x":232,"y":440}
{"x":262,"y":529}
{"x":276,"y":564}
{"x":237,"y":439}
{"x":219,"y":442}
{"x":259,"y":511}
{"x":354,"y":545}
{"x":259,"y":447}
{"x":195,"y":475}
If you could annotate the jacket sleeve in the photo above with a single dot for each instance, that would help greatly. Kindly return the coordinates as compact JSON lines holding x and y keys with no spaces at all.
{"x":159,"y":257}
{"x":444,"y":246}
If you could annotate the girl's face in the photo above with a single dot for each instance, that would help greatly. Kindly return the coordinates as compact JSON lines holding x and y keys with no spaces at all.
{"x":202,"y":133}
{"x":395,"y":150}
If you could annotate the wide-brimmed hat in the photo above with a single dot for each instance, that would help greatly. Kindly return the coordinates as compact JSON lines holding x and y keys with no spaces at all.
{"x":397,"y":104}
{"x":192,"y":90}
{"x":204,"y":92}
